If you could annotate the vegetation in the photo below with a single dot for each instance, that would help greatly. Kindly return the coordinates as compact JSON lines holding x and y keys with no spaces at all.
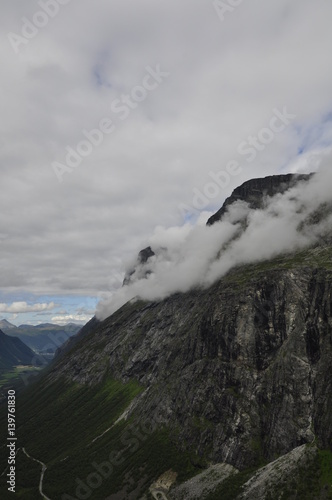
{"x":17,"y":376}
{"x":140,"y":452}
{"x":320,"y":258}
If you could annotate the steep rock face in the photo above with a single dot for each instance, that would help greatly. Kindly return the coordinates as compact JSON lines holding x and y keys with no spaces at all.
{"x":240,"y":372}
{"x":199,"y":487}
{"x":269,"y":481}
{"x":255,"y":190}
{"x":143,"y":257}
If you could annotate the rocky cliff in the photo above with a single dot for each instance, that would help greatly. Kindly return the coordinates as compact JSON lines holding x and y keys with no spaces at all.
{"x":240,"y":372}
{"x":255,"y":191}
{"x":143,"y":257}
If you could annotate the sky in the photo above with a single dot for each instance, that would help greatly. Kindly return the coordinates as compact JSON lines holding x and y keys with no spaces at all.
{"x":123,"y":120}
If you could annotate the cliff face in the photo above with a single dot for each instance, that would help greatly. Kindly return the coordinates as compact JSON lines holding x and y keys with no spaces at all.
{"x":240,"y":372}
{"x":143,"y":257}
{"x":255,"y":190}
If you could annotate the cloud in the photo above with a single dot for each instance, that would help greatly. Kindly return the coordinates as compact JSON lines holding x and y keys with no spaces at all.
{"x":23,"y":307}
{"x":70,"y":318}
{"x":188,"y":257}
{"x":72,"y":238}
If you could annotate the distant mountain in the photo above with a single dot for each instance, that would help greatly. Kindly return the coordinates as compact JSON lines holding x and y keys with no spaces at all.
{"x":5,"y":325}
{"x":41,"y":338}
{"x":13,"y":352}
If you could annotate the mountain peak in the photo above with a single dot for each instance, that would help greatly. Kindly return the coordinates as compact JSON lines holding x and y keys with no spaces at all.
{"x":6,"y":324}
{"x":255,"y":190}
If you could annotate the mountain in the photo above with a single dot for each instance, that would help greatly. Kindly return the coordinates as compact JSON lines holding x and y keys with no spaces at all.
{"x":143,"y":257}
{"x":5,"y":325}
{"x":254,"y":191}
{"x":13,"y":352}
{"x":44,"y":338}
{"x":222,"y":392}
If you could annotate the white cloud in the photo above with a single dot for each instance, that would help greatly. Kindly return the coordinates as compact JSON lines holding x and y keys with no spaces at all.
{"x":225,"y":80}
{"x":70,"y":318}
{"x":23,"y":307}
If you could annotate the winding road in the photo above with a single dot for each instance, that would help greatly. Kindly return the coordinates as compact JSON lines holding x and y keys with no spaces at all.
{"x":44,"y":467}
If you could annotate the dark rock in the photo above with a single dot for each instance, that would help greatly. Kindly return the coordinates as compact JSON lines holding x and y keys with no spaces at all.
{"x":255,"y":190}
{"x":250,"y":361}
{"x":143,"y":257}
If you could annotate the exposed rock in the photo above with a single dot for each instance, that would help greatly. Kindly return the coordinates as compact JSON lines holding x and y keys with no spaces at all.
{"x":201,"y":485}
{"x":241,"y":371}
{"x":163,"y":484}
{"x":143,"y":257}
{"x":254,"y":191}
{"x":268,"y":480}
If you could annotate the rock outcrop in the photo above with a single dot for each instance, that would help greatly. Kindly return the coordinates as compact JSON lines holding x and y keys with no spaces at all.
{"x":255,"y":191}
{"x":143,"y":257}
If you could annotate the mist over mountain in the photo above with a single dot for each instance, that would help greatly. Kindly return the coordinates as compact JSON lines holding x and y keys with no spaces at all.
{"x":262,"y":219}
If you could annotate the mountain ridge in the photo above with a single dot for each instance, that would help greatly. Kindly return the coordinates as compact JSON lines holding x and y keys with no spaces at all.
{"x":43,"y":338}
{"x":14,"y":352}
{"x":256,"y":190}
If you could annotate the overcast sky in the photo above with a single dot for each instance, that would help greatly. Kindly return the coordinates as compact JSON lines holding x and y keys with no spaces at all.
{"x":177,"y":94}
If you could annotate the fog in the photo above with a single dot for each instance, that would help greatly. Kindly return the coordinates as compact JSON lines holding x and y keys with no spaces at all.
{"x":197,"y":255}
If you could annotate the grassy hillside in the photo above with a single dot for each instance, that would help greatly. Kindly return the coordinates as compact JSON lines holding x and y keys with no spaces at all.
{"x":61,"y":422}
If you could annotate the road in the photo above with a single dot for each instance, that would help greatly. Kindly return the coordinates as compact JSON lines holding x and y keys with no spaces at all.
{"x":44,"y":467}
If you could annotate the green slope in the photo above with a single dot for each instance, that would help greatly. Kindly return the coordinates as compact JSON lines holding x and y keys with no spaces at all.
{"x":61,"y":420}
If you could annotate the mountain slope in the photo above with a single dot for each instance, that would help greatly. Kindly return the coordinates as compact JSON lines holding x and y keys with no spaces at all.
{"x":6,"y":325}
{"x":256,"y":347}
{"x":238,"y":374}
{"x":41,"y":338}
{"x":13,"y":352}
